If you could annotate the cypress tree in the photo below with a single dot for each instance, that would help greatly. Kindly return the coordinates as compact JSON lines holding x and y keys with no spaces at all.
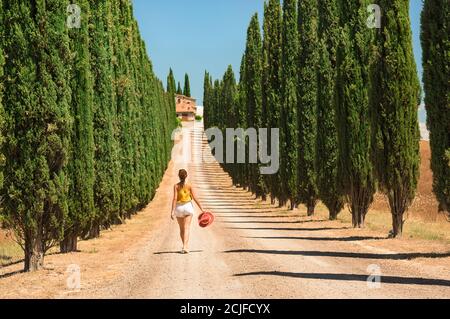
{"x":171,"y":95}
{"x":171,"y":84}
{"x":271,"y":94}
{"x":235,"y":123}
{"x":106,"y":165}
{"x":327,"y":135}
{"x":307,"y":104}
{"x":187,"y":86}
{"x":171,"y":124}
{"x":395,"y":99}
{"x":81,"y":204}
{"x":38,"y":125}
{"x":2,"y":61}
{"x":229,"y":92}
{"x":142,"y":78}
{"x":121,"y":85}
{"x":126,"y":108}
{"x":219,"y":111}
{"x":436,"y":65}
{"x":241,"y":120}
{"x":289,"y":145}
{"x":171,"y":91}
{"x":179,"y":90}
{"x":206,"y":98}
{"x":354,"y":131}
{"x":157,"y":130}
{"x":253,"y":91}
{"x":139,"y":81}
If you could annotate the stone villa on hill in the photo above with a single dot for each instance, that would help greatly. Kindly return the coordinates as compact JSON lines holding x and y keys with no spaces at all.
{"x":186,"y":107}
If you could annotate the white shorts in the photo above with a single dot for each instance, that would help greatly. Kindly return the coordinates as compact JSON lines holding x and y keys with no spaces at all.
{"x":184,"y":210}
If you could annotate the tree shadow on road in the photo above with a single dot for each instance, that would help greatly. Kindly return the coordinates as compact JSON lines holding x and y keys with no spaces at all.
{"x":244,"y":210}
{"x":353,"y":277}
{"x":10,"y":261}
{"x":231,"y":202}
{"x":178,"y":252}
{"x":352,"y":238}
{"x":237,"y":208}
{"x":338,"y":254}
{"x":10,"y":274}
{"x":269,"y":216}
{"x":262,"y":222}
{"x":291,"y":229}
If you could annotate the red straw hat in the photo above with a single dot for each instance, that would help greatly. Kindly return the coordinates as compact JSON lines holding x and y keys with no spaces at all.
{"x":205,"y":219}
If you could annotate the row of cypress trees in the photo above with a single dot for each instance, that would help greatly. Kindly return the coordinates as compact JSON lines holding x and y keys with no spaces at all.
{"x":172,"y":88}
{"x":86,"y":131}
{"x":345,"y":98}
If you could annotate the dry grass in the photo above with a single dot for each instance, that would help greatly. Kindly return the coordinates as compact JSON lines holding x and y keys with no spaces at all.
{"x":415,"y":227}
{"x":10,"y":251}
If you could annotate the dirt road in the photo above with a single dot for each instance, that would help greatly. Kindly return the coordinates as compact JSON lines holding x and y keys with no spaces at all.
{"x":253,"y":250}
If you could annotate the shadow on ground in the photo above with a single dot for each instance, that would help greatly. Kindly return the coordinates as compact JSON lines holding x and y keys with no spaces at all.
{"x":352,"y":238}
{"x":399,"y":256}
{"x":291,"y":229}
{"x":178,"y":252}
{"x":352,"y":277}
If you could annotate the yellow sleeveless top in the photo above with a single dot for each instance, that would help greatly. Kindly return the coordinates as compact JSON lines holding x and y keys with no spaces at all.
{"x":184,"y":195}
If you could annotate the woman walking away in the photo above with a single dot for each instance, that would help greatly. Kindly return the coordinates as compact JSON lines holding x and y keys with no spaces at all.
{"x":183,"y":209}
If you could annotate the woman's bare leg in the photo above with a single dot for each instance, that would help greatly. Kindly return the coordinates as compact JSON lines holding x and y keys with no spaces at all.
{"x":187,"y":232}
{"x":181,"y":222}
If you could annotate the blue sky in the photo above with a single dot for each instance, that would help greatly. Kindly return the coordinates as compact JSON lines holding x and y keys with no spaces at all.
{"x":198,"y":35}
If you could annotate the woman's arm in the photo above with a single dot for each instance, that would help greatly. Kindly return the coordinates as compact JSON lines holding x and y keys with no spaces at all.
{"x":174,"y":202}
{"x":196,"y":200}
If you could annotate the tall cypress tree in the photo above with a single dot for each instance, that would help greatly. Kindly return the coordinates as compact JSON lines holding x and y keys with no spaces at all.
{"x":253,"y":89}
{"x":157,"y":129}
{"x":121,"y":93}
{"x":206,"y":98}
{"x":241,"y":120}
{"x":81,"y":205}
{"x":126,"y":108}
{"x":171,"y":91}
{"x":229,"y":92}
{"x":138,"y":99}
{"x":355,"y":162}
{"x":2,"y":61}
{"x":271,"y":94}
{"x":187,"y":86}
{"x":171,"y":95}
{"x":139,"y":81}
{"x":38,"y":125}
{"x":179,"y":90}
{"x":289,"y":149}
{"x":327,"y":135}
{"x":215,"y":101}
{"x":171,"y":84}
{"x":395,"y":99}
{"x":307,"y":104}
{"x":436,"y":65}
{"x":146,"y":120}
{"x":106,"y":165}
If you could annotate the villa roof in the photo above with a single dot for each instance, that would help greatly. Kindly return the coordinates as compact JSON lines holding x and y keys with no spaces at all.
{"x":185,"y":104}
